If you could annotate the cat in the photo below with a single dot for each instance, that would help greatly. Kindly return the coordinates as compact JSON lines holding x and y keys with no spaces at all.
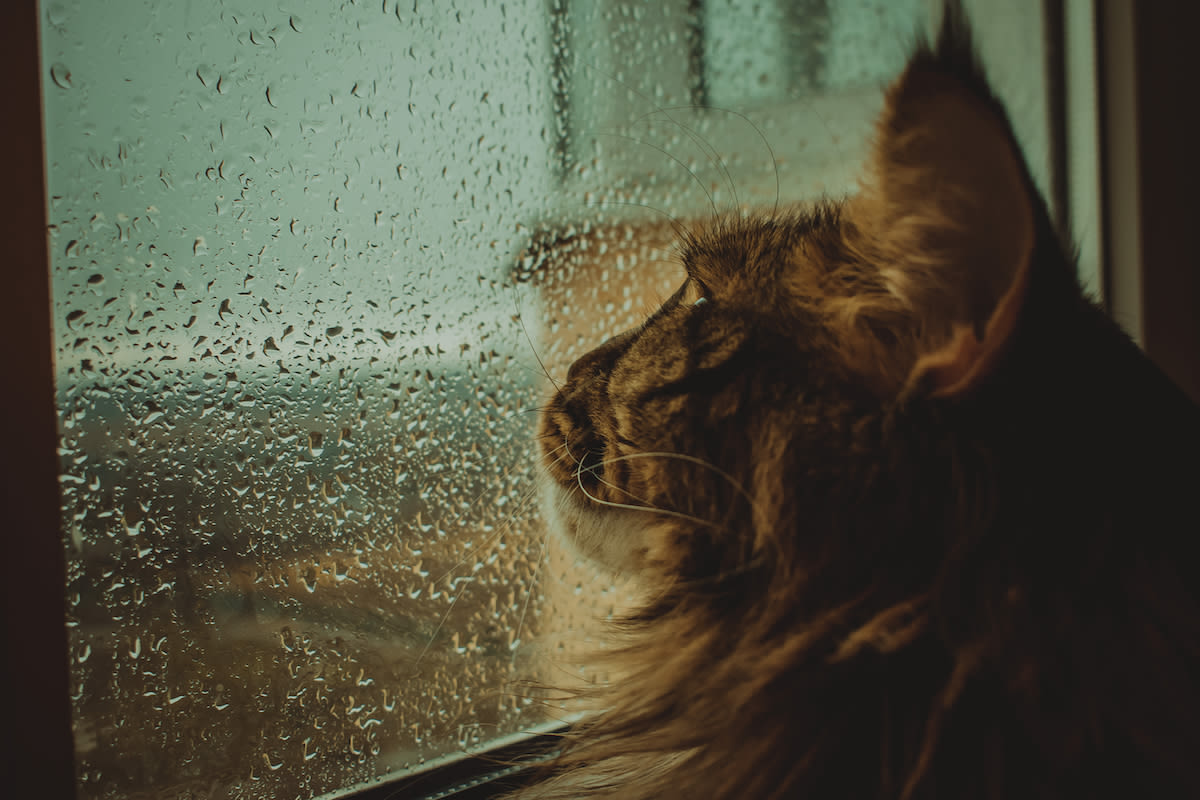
{"x":911,"y":511}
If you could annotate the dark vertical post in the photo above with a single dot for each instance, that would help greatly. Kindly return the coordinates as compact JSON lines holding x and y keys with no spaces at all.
{"x":1120,"y":209}
{"x":38,"y":750}
{"x":1168,"y":130}
{"x":1056,"y":68}
{"x":561,"y":75}
{"x":697,"y":64}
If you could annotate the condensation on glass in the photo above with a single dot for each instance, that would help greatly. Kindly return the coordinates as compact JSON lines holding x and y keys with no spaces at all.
{"x":308,"y":262}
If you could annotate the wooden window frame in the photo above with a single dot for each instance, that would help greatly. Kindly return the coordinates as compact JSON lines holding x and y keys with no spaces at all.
{"x":1151,"y":275}
{"x":39,"y":749}
{"x":1149,"y":176}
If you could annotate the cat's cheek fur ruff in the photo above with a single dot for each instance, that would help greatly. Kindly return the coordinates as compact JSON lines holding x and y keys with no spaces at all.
{"x":614,"y":538}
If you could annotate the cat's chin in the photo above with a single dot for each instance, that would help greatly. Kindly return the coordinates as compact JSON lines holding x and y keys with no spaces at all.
{"x":612,"y":538}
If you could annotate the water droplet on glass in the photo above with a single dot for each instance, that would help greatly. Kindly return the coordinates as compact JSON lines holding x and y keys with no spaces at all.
{"x":56,"y":14}
{"x":61,"y":75}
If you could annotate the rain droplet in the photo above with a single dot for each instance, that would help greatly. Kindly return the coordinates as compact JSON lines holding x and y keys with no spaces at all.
{"x":56,"y":14}
{"x":61,"y":75}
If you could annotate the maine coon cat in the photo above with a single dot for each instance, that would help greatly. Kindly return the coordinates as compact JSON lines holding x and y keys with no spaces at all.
{"x":912,"y":513}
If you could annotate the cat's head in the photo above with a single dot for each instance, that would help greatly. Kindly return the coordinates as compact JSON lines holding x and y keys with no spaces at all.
{"x":755,"y":406}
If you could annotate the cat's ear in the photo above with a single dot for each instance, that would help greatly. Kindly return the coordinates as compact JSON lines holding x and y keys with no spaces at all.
{"x":948,"y":213}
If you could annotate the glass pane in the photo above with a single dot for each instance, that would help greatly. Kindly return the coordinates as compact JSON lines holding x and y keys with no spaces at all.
{"x":293,"y":395}
{"x":311,"y":264}
{"x":769,"y":52}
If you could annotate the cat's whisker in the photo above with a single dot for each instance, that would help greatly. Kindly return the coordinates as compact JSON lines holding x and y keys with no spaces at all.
{"x":558,"y":455}
{"x":646,"y":506}
{"x":530,"y":410}
{"x":696,"y":138}
{"x":526,"y":496}
{"x":487,"y":541}
{"x":682,"y":457}
{"x":528,"y":595}
{"x":438,"y":629}
{"x":561,"y":448}
{"x":677,"y":226}
{"x":711,"y":201}
{"x":593,"y":470}
{"x":520,"y":319}
{"x":762,"y":136}
{"x":629,"y":506}
{"x":458,"y":517}
{"x":709,"y":151}
{"x":506,"y":527}
{"x":557,"y":451}
{"x":517,"y":412}
{"x":558,"y":458}
{"x":532,"y":369}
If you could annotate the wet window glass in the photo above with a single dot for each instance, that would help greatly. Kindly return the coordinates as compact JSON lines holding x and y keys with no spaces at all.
{"x":311,"y":264}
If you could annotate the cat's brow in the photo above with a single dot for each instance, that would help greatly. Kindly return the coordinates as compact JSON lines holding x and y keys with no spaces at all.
{"x":702,"y":272}
{"x":670,"y":303}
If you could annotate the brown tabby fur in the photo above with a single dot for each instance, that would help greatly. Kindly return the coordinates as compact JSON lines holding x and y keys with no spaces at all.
{"x":917,"y":514}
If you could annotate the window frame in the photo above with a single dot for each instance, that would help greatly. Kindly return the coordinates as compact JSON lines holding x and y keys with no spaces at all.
{"x":479,"y":776}
{"x":1144,"y":251}
{"x":39,"y":746}
{"x":1148,"y":178}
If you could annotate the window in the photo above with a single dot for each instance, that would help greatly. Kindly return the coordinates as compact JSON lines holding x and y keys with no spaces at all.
{"x":304,"y":264}
{"x":294,"y":403}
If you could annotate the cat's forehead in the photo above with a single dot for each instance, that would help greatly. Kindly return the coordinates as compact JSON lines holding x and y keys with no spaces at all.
{"x":749,"y":250}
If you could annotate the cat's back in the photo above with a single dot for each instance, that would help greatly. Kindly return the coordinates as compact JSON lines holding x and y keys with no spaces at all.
{"x":1083,"y":579}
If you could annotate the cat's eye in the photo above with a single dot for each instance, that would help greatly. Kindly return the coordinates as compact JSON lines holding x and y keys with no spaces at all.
{"x":694,"y":292}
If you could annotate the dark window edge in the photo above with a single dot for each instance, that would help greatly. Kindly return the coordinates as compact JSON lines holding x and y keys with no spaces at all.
{"x":1149,"y":177}
{"x":34,"y":677}
{"x":477,"y":776}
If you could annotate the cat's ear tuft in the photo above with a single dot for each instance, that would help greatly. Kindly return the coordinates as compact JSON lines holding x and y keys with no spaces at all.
{"x":947,"y":213}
